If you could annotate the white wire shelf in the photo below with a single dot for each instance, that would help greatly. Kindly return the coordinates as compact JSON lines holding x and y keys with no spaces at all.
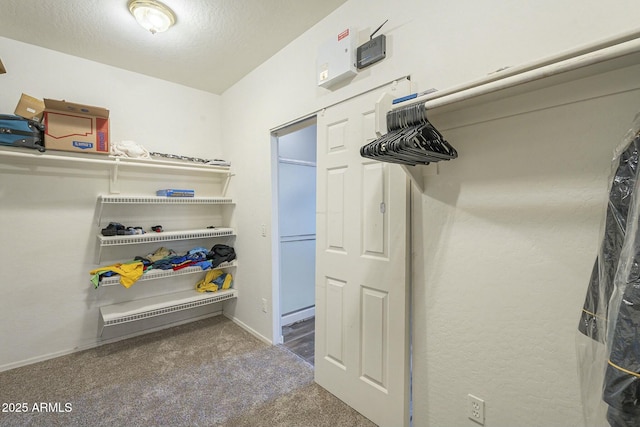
{"x":162,"y":274}
{"x":158,"y":200}
{"x":173,"y":164}
{"x":57,"y":156}
{"x":31,"y":157}
{"x":152,"y":200}
{"x":131,"y":311}
{"x":165,"y":236}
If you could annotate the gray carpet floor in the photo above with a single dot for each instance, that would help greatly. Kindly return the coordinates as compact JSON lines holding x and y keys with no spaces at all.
{"x":206,"y":373}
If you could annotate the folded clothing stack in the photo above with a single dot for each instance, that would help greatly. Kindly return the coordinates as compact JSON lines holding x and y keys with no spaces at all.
{"x":221,"y":253}
{"x":117,"y":229}
{"x":167,"y":259}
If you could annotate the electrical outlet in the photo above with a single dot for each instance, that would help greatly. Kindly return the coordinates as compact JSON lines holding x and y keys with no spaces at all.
{"x":263,"y":230}
{"x":264,"y":305}
{"x":476,"y":409}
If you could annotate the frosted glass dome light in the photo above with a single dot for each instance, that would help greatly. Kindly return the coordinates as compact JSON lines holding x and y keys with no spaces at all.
{"x":152,"y":15}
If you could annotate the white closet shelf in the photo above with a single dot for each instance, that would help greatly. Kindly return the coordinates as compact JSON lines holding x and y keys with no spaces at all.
{"x":152,"y":200}
{"x":585,"y":61}
{"x":164,"y":236}
{"x":161,"y":274}
{"x":31,"y":157}
{"x":158,"y":200}
{"x":113,"y":160}
{"x":130,"y":311}
{"x":172,"y":164}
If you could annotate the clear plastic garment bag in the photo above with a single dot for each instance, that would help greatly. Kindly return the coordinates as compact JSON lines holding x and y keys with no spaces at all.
{"x":608,"y":346}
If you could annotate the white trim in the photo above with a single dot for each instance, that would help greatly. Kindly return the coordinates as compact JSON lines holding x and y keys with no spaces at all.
{"x":276,"y":328}
{"x":249,"y":329}
{"x":296,"y":316}
{"x":297,"y":124}
{"x":276,"y":239}
{"x":296,"y":162}
{"x":99,"y":343}
{"x":297,"y":238}
{"x":294,"y":125}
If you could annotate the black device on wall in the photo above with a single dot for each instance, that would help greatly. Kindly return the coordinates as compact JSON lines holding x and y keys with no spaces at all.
{"x":372,"y":51}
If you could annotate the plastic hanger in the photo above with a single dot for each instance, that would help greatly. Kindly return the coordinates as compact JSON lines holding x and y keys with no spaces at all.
{"x":410,"y":139}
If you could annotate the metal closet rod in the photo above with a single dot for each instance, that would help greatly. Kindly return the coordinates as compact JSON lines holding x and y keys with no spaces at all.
{"x":600,"y":52}
{"x":112,"y":162}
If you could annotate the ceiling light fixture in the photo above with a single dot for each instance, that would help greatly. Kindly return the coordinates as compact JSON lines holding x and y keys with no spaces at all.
{"x":152,"y":15}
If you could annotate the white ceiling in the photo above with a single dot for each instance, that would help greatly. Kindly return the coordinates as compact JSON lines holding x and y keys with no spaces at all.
{"x":213,"y":44}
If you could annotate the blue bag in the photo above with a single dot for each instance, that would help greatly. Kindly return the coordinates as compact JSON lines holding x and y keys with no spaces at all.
{"x":17,"y":131}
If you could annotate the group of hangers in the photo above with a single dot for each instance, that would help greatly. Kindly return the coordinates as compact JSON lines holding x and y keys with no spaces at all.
{"x":410,"y":139}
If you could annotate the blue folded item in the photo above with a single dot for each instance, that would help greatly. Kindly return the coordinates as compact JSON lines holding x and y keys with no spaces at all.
{"x":175,"y":193}
{"x":199,"y":249}
{"x":205,"y":265}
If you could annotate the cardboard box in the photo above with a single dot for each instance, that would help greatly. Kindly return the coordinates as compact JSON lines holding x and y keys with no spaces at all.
{"x":30,"y":108}
{"x":76,"y":127}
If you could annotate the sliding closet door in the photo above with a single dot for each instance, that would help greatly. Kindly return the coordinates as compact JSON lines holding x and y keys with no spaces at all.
{"x":362,"y":307}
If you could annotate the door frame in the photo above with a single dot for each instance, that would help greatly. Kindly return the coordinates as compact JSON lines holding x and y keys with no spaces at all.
{"x":275,"y":246}
{"x":276,"y":133}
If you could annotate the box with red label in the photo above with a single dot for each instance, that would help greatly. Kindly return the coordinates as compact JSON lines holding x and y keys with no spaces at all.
{"x":75,"y":127}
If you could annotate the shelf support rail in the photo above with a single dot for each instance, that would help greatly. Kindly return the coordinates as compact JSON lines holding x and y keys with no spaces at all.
{"x":114,"y":187}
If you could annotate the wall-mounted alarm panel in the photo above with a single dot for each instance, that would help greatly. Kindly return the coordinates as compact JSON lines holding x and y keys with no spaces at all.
{"x":371,"y":52}
{"x":336,"y":59}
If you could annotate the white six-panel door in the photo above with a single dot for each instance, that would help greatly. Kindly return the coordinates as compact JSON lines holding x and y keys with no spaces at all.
{"x":362,"y":304}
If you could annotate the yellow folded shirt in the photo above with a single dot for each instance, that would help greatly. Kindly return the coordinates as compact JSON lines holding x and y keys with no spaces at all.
{"x":129,"y":272}
{"x":210,"y":284}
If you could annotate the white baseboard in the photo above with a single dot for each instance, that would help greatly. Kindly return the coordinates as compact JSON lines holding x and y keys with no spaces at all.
{"x":297,"y":316}
{"x":249,"y":329}
{"x":48,"y":356}
{"x":98,"y":343}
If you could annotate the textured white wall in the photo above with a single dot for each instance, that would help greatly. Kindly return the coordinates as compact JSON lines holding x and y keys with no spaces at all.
{"x":506,"y":233}
{"x":162,"y":116}
{"x":510,"y":231}
{"x":509,"y":219}
{"x":47,"y":305}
